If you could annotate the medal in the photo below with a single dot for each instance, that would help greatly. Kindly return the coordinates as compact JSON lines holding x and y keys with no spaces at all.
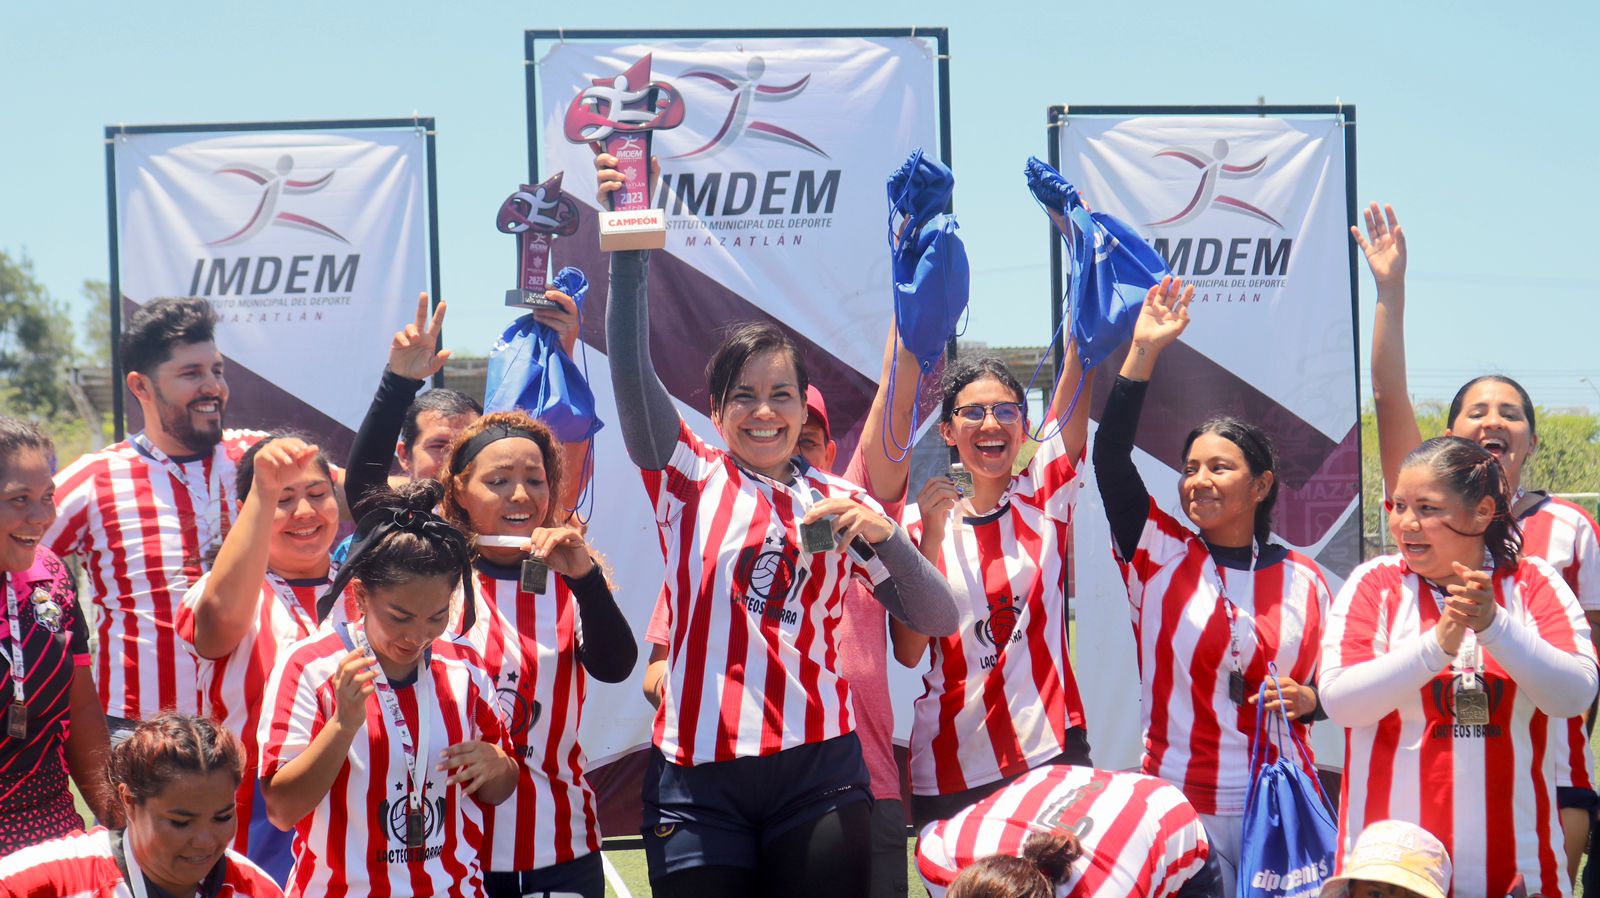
{"x":1472,"y":707}
{"x":45,"y":610}
{"x":17,"y":721}
{"x":416,"y":833}
{"x":535,"y":575}
{"x":818,"y":536}
{"x":1236,"y":687}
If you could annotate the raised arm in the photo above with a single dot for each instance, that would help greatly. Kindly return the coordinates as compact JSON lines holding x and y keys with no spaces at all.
{"x":228,"y":596}
{"x":1163,"y":317}
{"x":1385,"y":249}
{"x":887,"y":477}
{"x":414,"y":356}
{"x":1075,"y":433}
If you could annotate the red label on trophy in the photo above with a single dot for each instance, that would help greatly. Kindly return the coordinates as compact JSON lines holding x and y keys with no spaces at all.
{"x":537,"y":215}
{"x":618,"y":116}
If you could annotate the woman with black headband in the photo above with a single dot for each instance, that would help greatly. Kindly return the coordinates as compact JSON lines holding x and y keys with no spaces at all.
{"x":381,"y":743}
{"x":757,"y":784}
{"x":546,"y":621}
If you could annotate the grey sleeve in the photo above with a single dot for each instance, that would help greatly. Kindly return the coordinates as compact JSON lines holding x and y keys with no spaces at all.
{"x":645,"y":411}
{"x":915,"y":592}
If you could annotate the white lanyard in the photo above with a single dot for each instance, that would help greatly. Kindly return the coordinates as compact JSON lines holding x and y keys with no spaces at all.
{"x":210,"y":527}
{"x":1233,"y":611}
{"x":1469,"y":657}
{"x":285,"y":594}
{"x":397,"y":718}
{"x":18,"y":670}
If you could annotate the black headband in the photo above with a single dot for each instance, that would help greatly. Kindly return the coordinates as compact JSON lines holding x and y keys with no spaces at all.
{"x":494,"y":433}
{"x":379,"y":523}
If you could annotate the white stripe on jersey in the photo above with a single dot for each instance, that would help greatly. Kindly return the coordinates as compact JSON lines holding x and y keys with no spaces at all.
{"x":1139,"y":835}
{"x":84,"y":864}
{"x":1486,"y":792}
{"x":1181,"y":632}
{"x":529,"y":645}
{"x":1000,"y":693}
{"x":232,"y":687}
{"x":1563,"y":534}
{"x":134,"y":525}
{"x":354,"y":842}
{"x":752,"y":661}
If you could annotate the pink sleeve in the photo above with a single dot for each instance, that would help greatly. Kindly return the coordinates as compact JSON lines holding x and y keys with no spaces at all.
{"x":857,"y":473}
{"x":659,"y":632}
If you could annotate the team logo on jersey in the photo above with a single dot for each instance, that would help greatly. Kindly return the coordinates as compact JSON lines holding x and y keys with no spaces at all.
{"x":394,"y":812}
{"x":274,"y":185}
{"x":766,"y":576}
{"x":1212,"y":170}
{"x":518,"y":712}
{"x":1066,"y":814}
{"x":1443,"y":695}
{"x":1000,"y":627}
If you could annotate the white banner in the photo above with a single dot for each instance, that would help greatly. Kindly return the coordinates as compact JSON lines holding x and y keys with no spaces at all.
{"x":776,"y":207}
{"x":1253,"y":212}
{"x":311,"y":244}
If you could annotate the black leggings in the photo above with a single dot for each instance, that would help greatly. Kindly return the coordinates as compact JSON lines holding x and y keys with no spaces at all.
{"x":831,"y":855}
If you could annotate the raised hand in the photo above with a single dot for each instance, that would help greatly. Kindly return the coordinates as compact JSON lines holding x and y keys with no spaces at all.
{"x":934,"y":504}
{"x":1164,"y":315}
{"x":564,"y":321}
{"x":352,"y":683}
{"x":278,"y":464}
{"x":415,"y":352}
{"x":1384,"y":245}
{"x":610,"y":180}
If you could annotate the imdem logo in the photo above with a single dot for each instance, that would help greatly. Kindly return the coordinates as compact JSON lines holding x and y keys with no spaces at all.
{"x":1257,"y":257}
{"x":312,"y":273}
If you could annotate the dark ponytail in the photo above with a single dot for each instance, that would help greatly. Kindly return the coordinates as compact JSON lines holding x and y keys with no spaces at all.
{"x":1471,"y":473}
{"x":399,"y":539}
{"x":1259,"y":454}
{"x":1045,"y":863}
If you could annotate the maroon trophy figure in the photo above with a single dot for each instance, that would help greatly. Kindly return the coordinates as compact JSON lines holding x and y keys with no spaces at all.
{"x":617,"y":116}
{"x":537,"y":215}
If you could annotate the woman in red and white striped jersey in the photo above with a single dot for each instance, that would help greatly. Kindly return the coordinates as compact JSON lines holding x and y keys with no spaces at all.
{"x":1446,"y":676}
{"x":175,"y":777}
{"x":1072,"y":832}
{"x":51,"y":725}
{"x":757,"y":784}
{"x":381,"y":740}
{"x":1212,"y":606}
{"x":540,"y":643}
{"x":1495,"y":412}
{"x":259,"y":598}
{"x":1000,"y":695}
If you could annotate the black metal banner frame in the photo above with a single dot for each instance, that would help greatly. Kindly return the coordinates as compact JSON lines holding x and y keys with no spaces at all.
{"x":1055,"y":120}
{"x":113,"y":133}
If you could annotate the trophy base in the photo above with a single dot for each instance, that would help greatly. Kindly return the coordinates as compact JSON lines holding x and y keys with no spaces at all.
{"x":527,"y":299}
{"x":633,"y":229}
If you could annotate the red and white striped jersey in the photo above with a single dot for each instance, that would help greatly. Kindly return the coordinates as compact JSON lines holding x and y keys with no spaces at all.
{"x":232,"y":687}
{"x":1486,"y":792}
{"x":999,"y":693}
{"x":1139,"y":836}
{"x":1195,"y":736}
{"x":140,"y":531}
{"x":752,"y":661}
{"x":529,"y":646}
{"x":84,"y":865}
{"x":1563,"y":535}
{"x":354,"y":842}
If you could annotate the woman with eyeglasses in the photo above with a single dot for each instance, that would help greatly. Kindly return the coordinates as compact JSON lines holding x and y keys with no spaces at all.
{"x":1213,"y":600}
{"x":1000,"y":696}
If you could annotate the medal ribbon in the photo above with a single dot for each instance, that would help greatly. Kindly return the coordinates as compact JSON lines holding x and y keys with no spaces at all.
{"x":1469,"y":657}
{"x":1233,"y":610}
{"x":397,"y":718}
{"x":213,"y":526}
{"x":14,"y":647}
{"x":285,"y":593}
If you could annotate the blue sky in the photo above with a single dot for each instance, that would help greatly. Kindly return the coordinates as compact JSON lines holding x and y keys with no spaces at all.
{"x":1475,"y":120}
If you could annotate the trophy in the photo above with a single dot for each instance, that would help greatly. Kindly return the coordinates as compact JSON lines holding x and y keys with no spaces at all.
{"x":537,"y":215}
{"x":617,"y":116}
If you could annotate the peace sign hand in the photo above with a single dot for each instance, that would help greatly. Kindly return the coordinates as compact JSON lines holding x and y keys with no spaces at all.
{"x":1384,"y":245}
{"x":415,"y":352}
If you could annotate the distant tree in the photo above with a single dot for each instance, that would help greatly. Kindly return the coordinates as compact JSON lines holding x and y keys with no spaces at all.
{"x":96,"y":328}
{"x":36,"y":343}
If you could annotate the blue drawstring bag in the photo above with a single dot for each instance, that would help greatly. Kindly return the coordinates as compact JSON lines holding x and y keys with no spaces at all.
{"x":529,"y":371}
{"x":1111,"y":269}
{"x":1290,"y":838}
{"x":929,"y":266}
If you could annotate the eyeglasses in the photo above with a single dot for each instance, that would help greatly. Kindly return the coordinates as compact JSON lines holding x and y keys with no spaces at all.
{"x":1005,"y":413}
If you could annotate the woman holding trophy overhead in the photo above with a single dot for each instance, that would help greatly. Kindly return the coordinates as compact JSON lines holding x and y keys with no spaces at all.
{"x":757,"y":783}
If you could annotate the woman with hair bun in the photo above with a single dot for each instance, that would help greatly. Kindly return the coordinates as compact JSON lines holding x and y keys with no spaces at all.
{"x":540,"y":642}
{"x":1215,"y":606}
{"x":1446,"y":662}
{"x":1062,"y":831}
{"x":382,"y":742}
{"x":175,"y":778}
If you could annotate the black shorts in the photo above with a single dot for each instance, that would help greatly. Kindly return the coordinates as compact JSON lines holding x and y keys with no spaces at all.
{"x":584,"y":876}
{"x":1577,"y":797}
{"x":722,"y":813}
{"x":927,"y":808}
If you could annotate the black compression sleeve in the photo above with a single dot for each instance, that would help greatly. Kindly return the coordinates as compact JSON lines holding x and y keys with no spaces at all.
{"x":373,"y":451}
{"x":1122,"y":490}
{"x":608,"y":651}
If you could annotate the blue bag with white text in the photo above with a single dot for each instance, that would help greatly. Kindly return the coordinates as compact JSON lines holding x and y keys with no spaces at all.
{"x":1290,"y":837}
